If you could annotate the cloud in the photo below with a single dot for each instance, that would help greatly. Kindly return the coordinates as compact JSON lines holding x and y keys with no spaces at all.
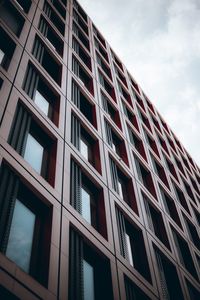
{"x":159,"y":43}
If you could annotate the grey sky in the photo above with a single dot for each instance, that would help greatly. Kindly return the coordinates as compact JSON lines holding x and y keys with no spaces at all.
{"x":159,"y":42}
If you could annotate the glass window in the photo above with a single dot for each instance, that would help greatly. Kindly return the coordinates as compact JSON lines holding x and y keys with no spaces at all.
{"x":1,"y":56}
{"x":41,"y":102}
{"x":129,"y":250}
{"x":21,"y":236}
{"x":84,"y":149}
{"x":88,"y":281}
{"x":120,"y":187}
{"x":86,"y":208}
{"x":34,"y":153}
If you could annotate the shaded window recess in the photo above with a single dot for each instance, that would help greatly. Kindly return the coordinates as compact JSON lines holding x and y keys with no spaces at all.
{"x":184,"y":254}
{"x":7,"y":48}
{"x":133,"y":292}
{"x":170,"y":167}
{"x":194,"y":184}
{"x":109,"y":89}
{"x":87,"y":199}
{"x":192,"y":232}
{"x":119,"y":74}
{"x":134,"y":84}
{"x":171,"y":143}
{"x":11,"y":17}
{"x":6,"y":294}
{"x":180,"y":147}
{"x":192,"y":163}
{"x":22,"y":214}
{"x":116,"y":143}
{"x":145,"y":177}
{"x":193,"y":292}
{"x":179,"y":165}
{"x":197,"y":215}
{"x":54,"y":18}
{"x":59,"y":8}
{"x":84,"y":79}
{"x":117,"y":61}
{"x":144,"y":119}
{"x":86,"y":267}
{"x":131,"y":116}
{"x":170,"y":207}
{"x":160,"y":172}
{"x":23,"y":5}
{"x":170,"y":287}
{"x":104,"y":67}
{"x":151,"y":143}
{"x":98,"y":35}
{"x":83,"y":104}
{"x":47,"y":61}
{"x":26,"y":133}
{"x":39,"y":90}
{"x":189,"y":191}
{"x":51,"y":36}
{"x":110,"y":110}
{"x":155,"y":222}
{"x":155,"y":122}
{"x":149,"y":104}
{"x":132,"y":245}
{"x":80,"y":10}
{"x":162,"y":143}
{"x":81,"y":53}
{"x":80,"y":22}
{"x":85,"y":143}
{"x":84,"y":40}
{"x":138,"y":100}
{"x":123,"y":185}
{"x":124,"y":93}
{"x":101,"y":50}
{"x":137,"y":143}
{"x":181,"y":198}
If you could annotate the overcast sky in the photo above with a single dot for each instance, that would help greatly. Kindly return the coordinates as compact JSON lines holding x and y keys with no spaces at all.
{"x":159,"y":42}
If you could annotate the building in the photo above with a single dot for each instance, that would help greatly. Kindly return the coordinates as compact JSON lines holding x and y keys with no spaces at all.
{"x":98,"y":198}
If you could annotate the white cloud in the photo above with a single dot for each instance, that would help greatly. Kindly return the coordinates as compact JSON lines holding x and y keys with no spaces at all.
{"x":159,"y":43}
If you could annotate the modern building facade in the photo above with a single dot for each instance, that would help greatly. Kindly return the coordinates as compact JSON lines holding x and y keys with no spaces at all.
{"x":98,"y":198}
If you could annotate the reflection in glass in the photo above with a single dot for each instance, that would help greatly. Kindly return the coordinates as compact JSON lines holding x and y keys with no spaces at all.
{"x":34,"y":153}
{"x":84,"y":149}
{"x":1,"y":56}
{"x":86,"y":208}
{"x":21,"y":236}
{"x":128,"y":245}
{"x":41,"y":102}
{"x":88,"y":281}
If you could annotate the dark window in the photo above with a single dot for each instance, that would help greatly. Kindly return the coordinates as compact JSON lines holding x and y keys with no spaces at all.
{"x":51,"y":36}
{"x":86,"y":268}
{"x":134,"y":84}
{"x":144,"y":119}
{"x":125,"y":95}
{"x":162,"y":143}
{"x":38,"y":89}
{"x":109,"y":89}
{"x":160,"y":172}
{"x":101,"y":50}
{"x":12,"y":18}
{"x":81,"y":53}
{"x":80,"y":21}
{"x":192,"y":232}
{"x":123,"y":186}
{"x":104,"y":67}
{"x":110,"y":110}
{"x":144,"y":176}
{"x":116,"y":143}
{"x":132,"y":245}
{"x":119,"y":74}
{"x":85,"y":143}
{"x":168,"y":278}
{"x":137,"y":143}
{"x":54,"y":18}
{"x":170,"y":167}
{"x":7,"y":48}
{"x":155,"y":222}
{"x":1,"y":82}
{"x":193,"y":292}
{"x":189,"y":191}
{"x":138,"y":99}
{"x":47,"y":61}
{"x":117,"y":61}
{"x":25,"y":226}
{"x":197,"y":215}
{"x":83,"y":77}
{"x":149,"y":104}
{"x":151,"y":143}
{"x":6,"y":294}
{"x":80,"y":10}
{"x":59,"y":7}
{"x":180,"y":198}
{"x":83,"y":104}
{"x":133,"y":292}
{"x":184,"y":254}
{"x":24,"y":5}
{"x":131,"y":117}
{"x":84,"y":40}
{"x":31,"y":142}
{"x":98,"y":35}
{"x":87,"y":199}
{"x":156,"y":123}
{"x":170,"y":207}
